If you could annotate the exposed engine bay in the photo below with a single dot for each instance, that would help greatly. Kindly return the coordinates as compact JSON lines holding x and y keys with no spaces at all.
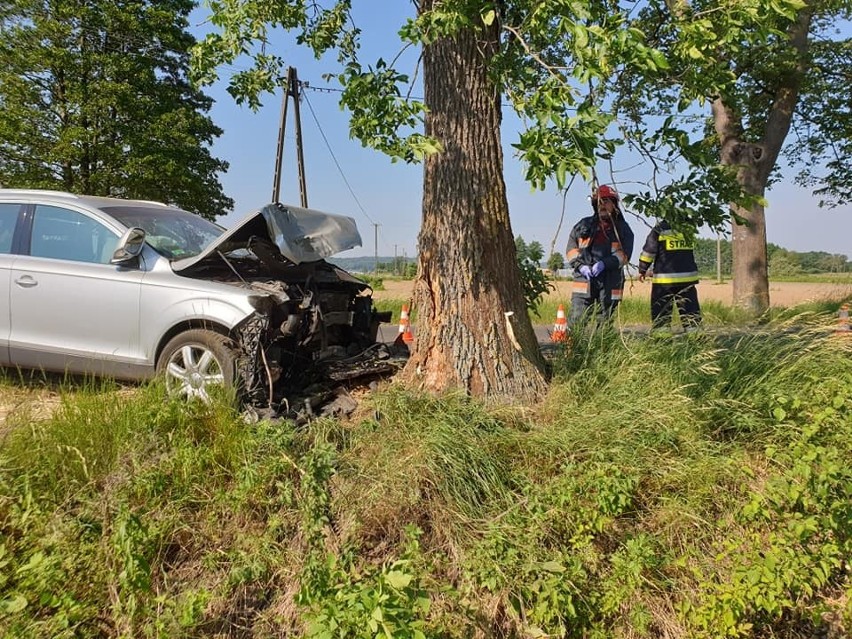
{"x":314,"y":323}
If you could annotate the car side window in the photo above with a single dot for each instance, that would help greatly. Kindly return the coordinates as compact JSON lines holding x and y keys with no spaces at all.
{"x":8,"y":220}
{"x":69,"y":235}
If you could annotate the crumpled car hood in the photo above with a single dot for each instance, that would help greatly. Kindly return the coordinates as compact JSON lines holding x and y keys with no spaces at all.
{"x":302,"y":235}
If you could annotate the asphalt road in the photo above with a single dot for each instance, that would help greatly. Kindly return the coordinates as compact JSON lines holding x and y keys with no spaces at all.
{"x":389,"y":332}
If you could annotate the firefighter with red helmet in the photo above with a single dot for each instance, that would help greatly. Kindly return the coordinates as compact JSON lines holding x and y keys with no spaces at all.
{"x":599,"y":247}
{"x":669,"y":258}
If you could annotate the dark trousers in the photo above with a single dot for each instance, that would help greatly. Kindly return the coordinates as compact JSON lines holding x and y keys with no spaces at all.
{"x":600,"y":302}
{"x":665,"y":296}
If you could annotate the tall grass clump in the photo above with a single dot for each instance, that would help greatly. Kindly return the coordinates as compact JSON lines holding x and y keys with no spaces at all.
{"x":138,"y":516}
{"x":630,"y":503}
{"x":419,"y":450}
{"x":687,"y":436}
{"x":76,"y":445}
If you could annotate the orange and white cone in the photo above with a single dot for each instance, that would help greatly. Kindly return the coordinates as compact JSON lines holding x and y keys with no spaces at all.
{"x":405,"y":333}
{"x":843,"y":326}
{"x":560,"y":328}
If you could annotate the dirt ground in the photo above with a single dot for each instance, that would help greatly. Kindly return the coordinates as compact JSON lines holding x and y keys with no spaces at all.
{"x":780,"y":293}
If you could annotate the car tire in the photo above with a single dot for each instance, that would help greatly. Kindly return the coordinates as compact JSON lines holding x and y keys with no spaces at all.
{"x":195,"y":361}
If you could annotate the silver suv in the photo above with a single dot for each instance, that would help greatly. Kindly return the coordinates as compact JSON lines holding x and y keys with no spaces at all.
{"x":128,"y":289}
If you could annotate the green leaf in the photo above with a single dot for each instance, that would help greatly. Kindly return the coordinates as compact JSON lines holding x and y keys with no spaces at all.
{"x":488,"y":17}
{"x":553,"y":566}
{"x":15,"y":604}
{"x":694,"y":53}
{"x":659,"y":59}
{"x":582,"y":37}
{"x":398,"y":579}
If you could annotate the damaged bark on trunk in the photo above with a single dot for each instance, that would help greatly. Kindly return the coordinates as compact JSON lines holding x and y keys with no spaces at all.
{"x":473,"y":330}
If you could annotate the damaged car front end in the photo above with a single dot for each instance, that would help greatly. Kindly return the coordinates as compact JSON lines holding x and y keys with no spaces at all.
{"x":309,"y":315}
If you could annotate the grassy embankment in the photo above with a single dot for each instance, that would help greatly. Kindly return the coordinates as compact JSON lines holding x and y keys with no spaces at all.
{"x":696,"y":487}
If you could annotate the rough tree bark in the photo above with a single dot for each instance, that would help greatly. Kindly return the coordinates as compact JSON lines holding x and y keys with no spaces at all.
{"x":755,"y":162}
{"x":468,"y":278}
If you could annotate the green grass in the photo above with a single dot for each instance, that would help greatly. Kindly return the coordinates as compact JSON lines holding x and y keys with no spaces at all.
{"x":824,"y":278}
{"x":634,"y":311}
{"x":698,"y":484}
{"x":395,"y":306}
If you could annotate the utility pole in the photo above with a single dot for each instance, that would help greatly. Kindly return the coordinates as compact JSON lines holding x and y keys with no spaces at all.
{"x":395,"y":261}
{"x":290,"y":91}
{"x":376,"y":240}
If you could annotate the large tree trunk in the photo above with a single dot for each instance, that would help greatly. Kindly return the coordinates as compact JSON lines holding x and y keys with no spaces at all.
{"x":749,"y":271}
{"x":473,"y":331}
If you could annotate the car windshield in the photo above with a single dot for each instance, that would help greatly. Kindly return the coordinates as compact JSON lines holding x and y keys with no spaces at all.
{"x":173,"y":233}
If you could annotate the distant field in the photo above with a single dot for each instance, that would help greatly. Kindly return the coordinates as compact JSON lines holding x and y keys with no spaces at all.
{"x":784,"y":294}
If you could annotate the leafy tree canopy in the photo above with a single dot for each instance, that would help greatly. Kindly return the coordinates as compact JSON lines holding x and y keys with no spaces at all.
{"x":556,"y":261}
{"x":532,"y":251}
{"x":747,"y":55}
{"x":94,"y":98}
{"x":590,"y":79}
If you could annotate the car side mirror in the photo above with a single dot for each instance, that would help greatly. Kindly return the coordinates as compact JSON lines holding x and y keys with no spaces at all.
{"x":129,"y":246}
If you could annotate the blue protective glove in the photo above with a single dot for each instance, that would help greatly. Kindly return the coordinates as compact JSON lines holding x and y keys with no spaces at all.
{"x":586,"y":271}
{"x":598,"y":268}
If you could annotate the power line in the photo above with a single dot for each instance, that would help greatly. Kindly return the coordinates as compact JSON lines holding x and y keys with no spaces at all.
{"x":334,"y":158}
{"x":376,"y":226}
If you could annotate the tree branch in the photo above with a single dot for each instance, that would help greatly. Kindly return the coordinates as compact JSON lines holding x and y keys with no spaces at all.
{"x":781,"y":114}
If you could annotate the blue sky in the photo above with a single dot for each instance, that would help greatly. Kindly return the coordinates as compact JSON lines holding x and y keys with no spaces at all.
{"x":385,"y":198}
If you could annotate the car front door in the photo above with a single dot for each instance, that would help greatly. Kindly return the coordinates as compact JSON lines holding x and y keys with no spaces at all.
{"x":71,"y":309}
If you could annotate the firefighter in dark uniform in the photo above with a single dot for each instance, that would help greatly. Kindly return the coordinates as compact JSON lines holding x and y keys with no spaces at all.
{"x":669,"y":258}
{"x":599,"y":248}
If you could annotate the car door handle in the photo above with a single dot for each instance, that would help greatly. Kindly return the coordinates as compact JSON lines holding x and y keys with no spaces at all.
{"x":26,"y":281}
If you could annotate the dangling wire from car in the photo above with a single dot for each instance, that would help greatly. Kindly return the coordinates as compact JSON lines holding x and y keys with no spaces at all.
{"x":231,"y":266}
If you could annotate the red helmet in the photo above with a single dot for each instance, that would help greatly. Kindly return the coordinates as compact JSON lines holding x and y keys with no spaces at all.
{"x":604,"y":192}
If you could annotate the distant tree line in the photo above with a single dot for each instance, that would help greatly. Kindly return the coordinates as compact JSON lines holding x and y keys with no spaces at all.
{"x":782,"y":262}
{"x":404,"y":267}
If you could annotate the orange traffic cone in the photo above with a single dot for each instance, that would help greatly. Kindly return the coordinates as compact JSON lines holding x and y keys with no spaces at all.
{"x":560,"y":328}
{"x":405,"y":326}
{"x":843,"y":326}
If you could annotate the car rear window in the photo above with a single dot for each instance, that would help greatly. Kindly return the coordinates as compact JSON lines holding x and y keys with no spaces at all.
{"x":8,"y":220}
